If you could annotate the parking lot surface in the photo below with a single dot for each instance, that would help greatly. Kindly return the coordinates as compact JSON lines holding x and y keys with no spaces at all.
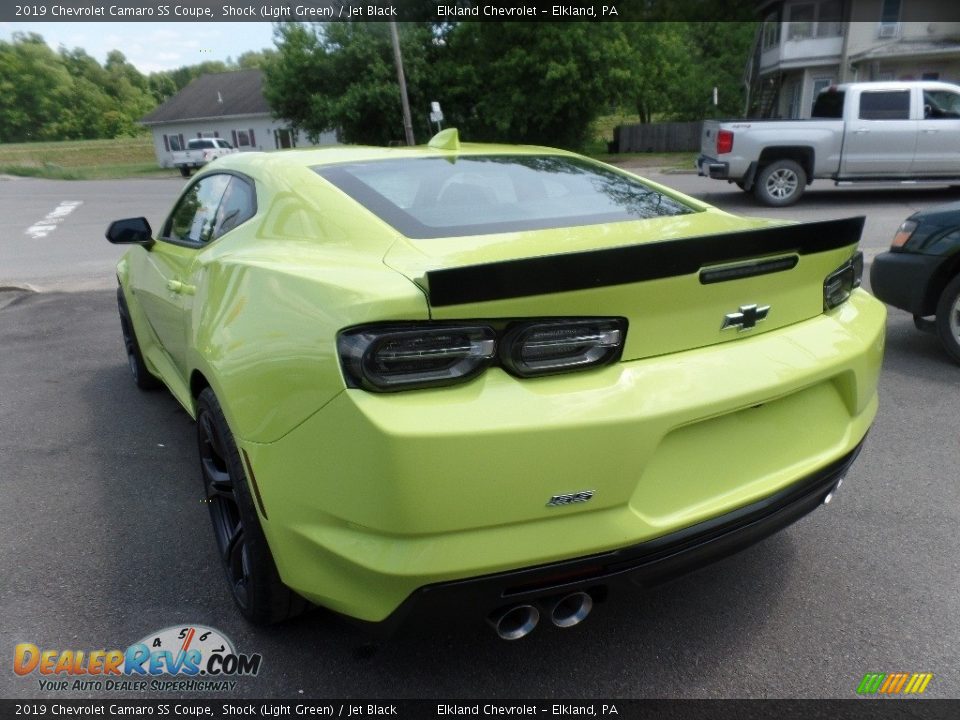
{"x":104,"y":539}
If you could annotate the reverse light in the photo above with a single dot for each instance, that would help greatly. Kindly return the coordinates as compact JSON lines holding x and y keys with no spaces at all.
{"x":385,"y":359}
{"x":541,"y":348}
{"x":842,"y":282}
{"x":904,"y":232}
{"x":724,"y":142}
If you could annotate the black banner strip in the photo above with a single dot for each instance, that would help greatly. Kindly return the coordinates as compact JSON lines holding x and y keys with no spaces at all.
{"x":634,"y":263}
{"x":865,"y":708}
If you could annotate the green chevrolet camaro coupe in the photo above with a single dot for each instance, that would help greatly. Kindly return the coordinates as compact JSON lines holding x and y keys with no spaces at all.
{"x":492,"y":379}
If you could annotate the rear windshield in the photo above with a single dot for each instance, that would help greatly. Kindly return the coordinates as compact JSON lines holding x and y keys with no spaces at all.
{"x":201,"y":144}
{"x":478,"y":195}
{"x":829,"y":104}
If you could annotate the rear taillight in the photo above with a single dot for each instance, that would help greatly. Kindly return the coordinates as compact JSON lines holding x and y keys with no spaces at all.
{"x":541,"y":348}
{"x":724,"y":142}
{"x":400,"y":358}
{"x":842,"y":281}
{"x":389,"y":357}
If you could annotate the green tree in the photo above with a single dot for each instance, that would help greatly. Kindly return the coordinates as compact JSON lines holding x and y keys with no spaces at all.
{"x":517,"y":82}
{"x":35,"y":87}
{"x":533,"y":82}
{"x":342,"y":75}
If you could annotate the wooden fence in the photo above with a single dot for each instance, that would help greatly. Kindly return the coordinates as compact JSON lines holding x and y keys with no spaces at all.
{"x":657,"y":137}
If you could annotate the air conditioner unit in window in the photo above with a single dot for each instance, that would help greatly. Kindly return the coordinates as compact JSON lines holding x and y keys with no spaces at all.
{"x":888,"y":30}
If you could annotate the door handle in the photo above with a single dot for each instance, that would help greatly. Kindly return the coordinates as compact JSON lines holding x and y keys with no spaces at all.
{"x":861,"y":131}
{"x":176,"y":286}
{"x":929,"y":132}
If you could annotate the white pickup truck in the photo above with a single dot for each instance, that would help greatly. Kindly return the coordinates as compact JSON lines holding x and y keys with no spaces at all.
{"x":199,"y":152}
{"x":906,"y":132}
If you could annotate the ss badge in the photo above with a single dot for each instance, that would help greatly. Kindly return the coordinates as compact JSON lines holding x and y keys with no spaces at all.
{"x":570,"y":498}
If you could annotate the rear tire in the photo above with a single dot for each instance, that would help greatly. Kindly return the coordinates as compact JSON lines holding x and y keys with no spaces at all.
{"x":245,"y":556}
{"x":948,"y":319}
{"x":138,"y":368}
{"x":184,"y":171}
{"x":780,"y":183}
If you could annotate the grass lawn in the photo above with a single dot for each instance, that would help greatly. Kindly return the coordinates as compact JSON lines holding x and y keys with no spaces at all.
{"x":134,"y":157}
{"x":83,"y":159}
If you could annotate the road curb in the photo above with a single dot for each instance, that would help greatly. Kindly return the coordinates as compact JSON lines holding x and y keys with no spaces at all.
{"x":9,"y":294}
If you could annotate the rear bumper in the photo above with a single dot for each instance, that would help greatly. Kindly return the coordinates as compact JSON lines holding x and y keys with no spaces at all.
{"x":377,"y":497}
{"x":708,"y":167}
{"x":901,"y":279}
{"x":643,"y":565}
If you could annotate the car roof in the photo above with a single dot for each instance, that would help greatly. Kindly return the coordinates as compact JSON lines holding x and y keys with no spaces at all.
{"x":339,"y":154}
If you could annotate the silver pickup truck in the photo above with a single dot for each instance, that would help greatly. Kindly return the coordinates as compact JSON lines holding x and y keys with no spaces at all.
{"x":199,"y":152}
{"x":907,"y":132}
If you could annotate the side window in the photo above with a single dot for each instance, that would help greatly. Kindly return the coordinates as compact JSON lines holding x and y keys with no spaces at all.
{"x":828,"y":104}
{"x":194,"y":217}
{"x":885,"y":105}
{"x":238,"y":205}
{"x":941,"y":104}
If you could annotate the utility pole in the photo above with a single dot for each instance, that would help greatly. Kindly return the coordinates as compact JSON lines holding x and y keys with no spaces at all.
{"x":407,"y":122}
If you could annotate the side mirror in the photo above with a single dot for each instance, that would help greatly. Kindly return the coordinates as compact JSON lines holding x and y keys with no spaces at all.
{"x":131,"y":231}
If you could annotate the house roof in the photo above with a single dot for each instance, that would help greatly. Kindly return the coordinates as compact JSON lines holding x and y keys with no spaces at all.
{"x":909,"y":48}
{"x":214,"y":96}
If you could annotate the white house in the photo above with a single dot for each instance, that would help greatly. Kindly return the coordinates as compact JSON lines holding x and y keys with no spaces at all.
{"x":804,"y":46}
{"x":227,"y":105}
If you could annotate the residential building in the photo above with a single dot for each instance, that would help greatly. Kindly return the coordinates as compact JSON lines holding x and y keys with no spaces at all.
{"x":804,"y":46}
{"x":227,"y":105}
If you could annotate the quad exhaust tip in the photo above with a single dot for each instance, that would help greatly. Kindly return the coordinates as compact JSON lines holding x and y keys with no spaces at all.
{"x":514,"y":622}
{"x":571,"y":609}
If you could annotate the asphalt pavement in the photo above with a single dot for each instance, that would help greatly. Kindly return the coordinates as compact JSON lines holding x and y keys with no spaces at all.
{"x":104,"y":538}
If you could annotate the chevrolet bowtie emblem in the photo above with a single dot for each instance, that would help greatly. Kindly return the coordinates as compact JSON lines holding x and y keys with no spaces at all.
{"x":747,"y":318}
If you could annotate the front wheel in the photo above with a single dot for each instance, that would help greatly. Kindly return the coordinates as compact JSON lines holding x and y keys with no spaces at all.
{"x":138,"y":368}
{"x":948,"y":319}
{"x":244,"y":554}
{"x":780,"y":183}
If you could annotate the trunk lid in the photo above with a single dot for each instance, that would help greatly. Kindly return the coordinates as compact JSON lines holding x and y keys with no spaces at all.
{"x":695,"y":288}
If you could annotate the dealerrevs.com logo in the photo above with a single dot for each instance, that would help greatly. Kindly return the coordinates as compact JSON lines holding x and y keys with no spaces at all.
{"x":179,"y":658}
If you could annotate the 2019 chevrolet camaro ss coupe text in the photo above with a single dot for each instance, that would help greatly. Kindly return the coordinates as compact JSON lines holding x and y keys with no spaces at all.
{"x":493,"y":378}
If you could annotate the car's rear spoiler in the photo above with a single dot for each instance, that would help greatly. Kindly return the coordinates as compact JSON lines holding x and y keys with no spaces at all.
{"x":635,"y":263}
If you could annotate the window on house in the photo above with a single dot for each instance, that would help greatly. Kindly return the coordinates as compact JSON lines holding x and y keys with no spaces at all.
{"x":771,"y":31}
{"x":830,"y":18}
{"x":819,"y":85}
{"x":890,"y":12}
{"x":800,"y":20}
{"x":175,"y":142}
{"x":811,"y":19}
{"x":793,"y":95}
{"x":889,"y":19}
{"x":244,"y":138}
{"x":889,"y":105}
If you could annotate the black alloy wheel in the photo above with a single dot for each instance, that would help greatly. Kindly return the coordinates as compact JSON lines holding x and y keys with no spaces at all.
{"x":244,"y":554}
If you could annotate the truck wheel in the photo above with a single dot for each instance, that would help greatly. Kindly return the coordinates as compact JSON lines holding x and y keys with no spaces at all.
{"x":184,"y":171}
{"x":780,"y":183}
{"x":948,"y":318}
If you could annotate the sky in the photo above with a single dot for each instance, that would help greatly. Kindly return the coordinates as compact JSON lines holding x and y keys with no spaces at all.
{"x":152,"y":46}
